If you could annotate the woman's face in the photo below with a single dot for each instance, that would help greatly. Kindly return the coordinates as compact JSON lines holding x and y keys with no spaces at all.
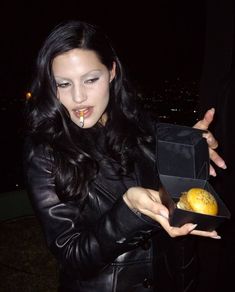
{"x":83,"y":85}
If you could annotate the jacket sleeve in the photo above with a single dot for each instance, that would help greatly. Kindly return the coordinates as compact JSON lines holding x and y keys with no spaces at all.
{"x":80,"y":249}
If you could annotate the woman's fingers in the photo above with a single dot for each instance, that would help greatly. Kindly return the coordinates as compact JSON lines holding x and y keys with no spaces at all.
{"x":217,"y":159}
{"x":211,"y":234}
{"x":172,"y":231}
{"x":210,"y":139}
{"x":206,"y":121}
{"x":212,"y":171}
{"x":175,"y":231}
{"x":186,"y":229}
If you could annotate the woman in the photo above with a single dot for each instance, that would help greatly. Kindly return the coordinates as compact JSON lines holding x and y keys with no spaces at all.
{"x":90,"y":171}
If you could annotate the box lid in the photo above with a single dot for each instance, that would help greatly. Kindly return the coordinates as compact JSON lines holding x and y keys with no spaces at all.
{"x":183,"y":163}
{"x":181,"y":152}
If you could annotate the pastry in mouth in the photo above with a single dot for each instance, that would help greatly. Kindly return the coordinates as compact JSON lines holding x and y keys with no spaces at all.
{"x":198,"y":200}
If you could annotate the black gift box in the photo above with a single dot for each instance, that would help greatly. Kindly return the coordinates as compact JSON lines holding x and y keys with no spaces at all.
{"x":183,"y":163}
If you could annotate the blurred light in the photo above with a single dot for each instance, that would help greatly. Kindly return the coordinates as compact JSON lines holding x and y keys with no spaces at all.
{"x":28,"y":95}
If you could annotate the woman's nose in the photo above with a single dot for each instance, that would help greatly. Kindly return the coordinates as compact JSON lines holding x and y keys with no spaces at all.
{"x":79,"y":95}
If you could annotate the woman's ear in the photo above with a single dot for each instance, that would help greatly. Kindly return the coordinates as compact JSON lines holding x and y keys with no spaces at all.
{"x":112,"y":72}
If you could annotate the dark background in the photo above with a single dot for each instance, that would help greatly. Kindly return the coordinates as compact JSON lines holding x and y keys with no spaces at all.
{"x":156,"y":40}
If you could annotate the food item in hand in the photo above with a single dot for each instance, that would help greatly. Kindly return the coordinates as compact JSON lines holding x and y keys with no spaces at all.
{"x":198,"y":200}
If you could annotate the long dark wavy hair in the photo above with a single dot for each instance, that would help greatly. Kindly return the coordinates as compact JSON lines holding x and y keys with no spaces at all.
{"x":49,"y":124}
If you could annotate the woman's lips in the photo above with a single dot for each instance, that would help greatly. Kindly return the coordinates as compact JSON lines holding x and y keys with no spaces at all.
{"x":87,"y":111}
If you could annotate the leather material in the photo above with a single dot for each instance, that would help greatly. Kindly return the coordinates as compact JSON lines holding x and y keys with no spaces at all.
{"x":107,"y":246}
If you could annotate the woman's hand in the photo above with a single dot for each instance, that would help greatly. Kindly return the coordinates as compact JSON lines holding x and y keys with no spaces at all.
{"x":211,"y":141}
{"x":148,"y":202}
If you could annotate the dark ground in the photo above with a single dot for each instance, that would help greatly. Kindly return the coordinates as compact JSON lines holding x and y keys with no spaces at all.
{"x":25,"y":263}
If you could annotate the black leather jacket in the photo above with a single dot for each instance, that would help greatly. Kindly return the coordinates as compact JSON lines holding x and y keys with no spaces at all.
{"x":107,"y":246}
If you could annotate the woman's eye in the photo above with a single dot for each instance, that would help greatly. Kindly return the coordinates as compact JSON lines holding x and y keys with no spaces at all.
{"x":63,"y":85}
{"x":92,"y":80}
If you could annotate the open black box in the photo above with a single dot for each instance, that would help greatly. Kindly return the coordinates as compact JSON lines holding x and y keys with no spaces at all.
{"x":183,"y":163}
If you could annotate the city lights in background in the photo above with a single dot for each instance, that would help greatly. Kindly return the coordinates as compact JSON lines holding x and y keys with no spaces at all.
{"x":172,"y":101}
{"x":28,"y":95}
{"x":175,"y":101}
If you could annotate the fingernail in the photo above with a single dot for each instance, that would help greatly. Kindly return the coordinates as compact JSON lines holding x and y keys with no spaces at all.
{"x":216,"y":237}
{"x":213,"y":110}
{"x":223,"y":165}
{"x":213,"y":173}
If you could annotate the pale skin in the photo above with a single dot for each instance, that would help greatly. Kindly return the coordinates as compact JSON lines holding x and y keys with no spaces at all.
{"x":211,"y":141}
{"x":83,"y":85}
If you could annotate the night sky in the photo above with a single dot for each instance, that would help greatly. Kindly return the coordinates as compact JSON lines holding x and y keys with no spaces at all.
{"x":154,"y":41}
{"x":159,"y":41}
